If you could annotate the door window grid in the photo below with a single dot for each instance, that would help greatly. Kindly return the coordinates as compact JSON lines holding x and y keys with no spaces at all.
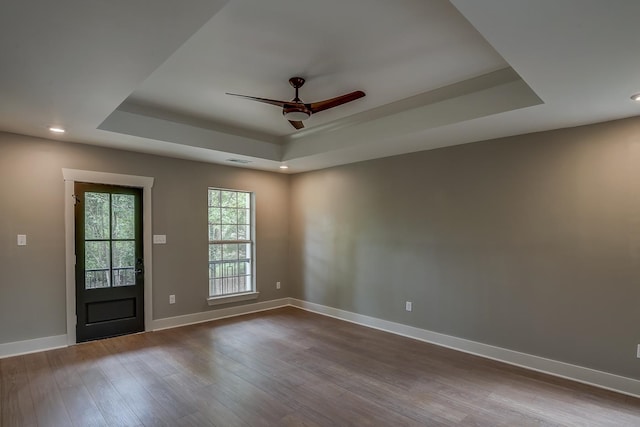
{"x":230,"y":242}
{"x":109,"y":240}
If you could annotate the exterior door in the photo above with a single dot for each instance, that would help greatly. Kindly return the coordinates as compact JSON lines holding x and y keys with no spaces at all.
{"x":109,"y":261}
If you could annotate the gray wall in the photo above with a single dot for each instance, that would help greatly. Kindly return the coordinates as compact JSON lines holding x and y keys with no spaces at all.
{"x":32,"y":278}
{"x":530,"y":243}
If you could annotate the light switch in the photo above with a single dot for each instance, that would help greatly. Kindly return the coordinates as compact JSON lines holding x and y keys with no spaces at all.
{"x":22,"y":240}
{"x":159,"y":239}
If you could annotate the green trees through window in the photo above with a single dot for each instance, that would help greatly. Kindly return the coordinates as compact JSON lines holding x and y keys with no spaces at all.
{"x":109,"y":240}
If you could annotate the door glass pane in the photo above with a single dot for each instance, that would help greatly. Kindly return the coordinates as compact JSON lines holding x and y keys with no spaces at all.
{"x":124,"y":277}
{"x":96,"y":279}
{"x":123,"y":216}
{"x":96,"y":216}
{"x":124,"y":254}
{"x":97,"y":265}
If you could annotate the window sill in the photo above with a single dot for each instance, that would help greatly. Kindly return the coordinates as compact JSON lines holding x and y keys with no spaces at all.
{"x":227,"y":299}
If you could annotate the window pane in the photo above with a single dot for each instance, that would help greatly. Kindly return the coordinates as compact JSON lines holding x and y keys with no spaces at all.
{"x":229,"y":232}
{"x":243,"y":216}
{"x":244,"y":268}
{"x":214,"y":216}
{"x":243,"y":200}
{"x":229,"y":216}
{"x":215,"y":287}
{"x":214,"y":197}
{"x":244,"y":284}
{"x":214,"y":232}
{"x":244,"y":251}
{"x":243,"y":232}
{"x":229,"y":199}
{"x":96,"y":215}
{"x":230,"y":251}
{"x":123,"y":216}
{"x":229,"y":269}
{"x":218,"y":270}
{"x":215,"y":252}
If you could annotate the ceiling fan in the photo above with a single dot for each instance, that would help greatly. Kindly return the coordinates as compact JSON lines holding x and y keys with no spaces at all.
{"x":296,"y":111}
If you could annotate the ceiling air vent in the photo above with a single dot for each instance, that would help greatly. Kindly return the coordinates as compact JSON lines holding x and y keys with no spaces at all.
{"x":241,"y":161}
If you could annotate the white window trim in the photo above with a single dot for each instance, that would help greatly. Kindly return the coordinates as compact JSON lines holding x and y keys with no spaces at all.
{"x":71,"y":176}
{"x":245,"y":296}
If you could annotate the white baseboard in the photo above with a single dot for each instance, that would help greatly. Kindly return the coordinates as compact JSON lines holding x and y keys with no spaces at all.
{"x":32,"y":346}
{"x":580,"y":374}
{"x":222,"y":313}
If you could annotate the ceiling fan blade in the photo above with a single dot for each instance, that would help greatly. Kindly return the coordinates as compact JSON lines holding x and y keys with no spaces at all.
{"x":296,"y":124}
{"x":334,"y":102}
{"x":265,"y":100}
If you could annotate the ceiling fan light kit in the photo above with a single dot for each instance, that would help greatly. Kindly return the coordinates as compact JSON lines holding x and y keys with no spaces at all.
{"x":295,"y":114}
{"x":295,"y":111}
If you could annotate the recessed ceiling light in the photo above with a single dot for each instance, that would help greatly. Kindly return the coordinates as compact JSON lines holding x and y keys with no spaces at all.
{"x":636,"y":97}
{"x":284,"y":167}
{"x":56,"y":129}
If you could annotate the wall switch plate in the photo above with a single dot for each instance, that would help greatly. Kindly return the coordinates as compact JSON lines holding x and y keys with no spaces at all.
{"x":172,"y":299}
{"x":638,"y":352}
{"x":159,"y":239}
{"x":277,"y":285}
{"x":408,"y":306}
{"x":22,"y":240}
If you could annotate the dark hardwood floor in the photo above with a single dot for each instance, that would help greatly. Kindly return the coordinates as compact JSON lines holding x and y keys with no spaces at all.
{"x":288,"y":367}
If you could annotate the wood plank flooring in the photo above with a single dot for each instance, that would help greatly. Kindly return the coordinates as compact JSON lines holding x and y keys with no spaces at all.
{"x":288,"y":367}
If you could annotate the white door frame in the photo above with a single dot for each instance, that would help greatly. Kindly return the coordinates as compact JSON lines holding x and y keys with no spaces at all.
{"x":146,"y":183}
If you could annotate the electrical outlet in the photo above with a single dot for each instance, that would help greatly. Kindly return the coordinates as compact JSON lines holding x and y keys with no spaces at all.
{"x":277,"y":285}
{"x":408,"y":306}
{"x":172,"y":299}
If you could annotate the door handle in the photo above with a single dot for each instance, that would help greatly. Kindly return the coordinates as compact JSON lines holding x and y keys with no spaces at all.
{"x":139,"y":266}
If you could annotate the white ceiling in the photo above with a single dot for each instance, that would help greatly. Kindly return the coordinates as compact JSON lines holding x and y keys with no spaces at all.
{"x":151,"y":76}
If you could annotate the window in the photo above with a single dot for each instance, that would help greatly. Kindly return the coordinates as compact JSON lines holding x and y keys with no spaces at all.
{"x":231,"y":243}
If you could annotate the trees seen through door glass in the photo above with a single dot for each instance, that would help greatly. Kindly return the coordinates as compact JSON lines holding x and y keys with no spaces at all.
{"x":109,"y":240}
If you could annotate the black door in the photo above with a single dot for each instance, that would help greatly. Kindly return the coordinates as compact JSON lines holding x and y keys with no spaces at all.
{"x":109,"y":261}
